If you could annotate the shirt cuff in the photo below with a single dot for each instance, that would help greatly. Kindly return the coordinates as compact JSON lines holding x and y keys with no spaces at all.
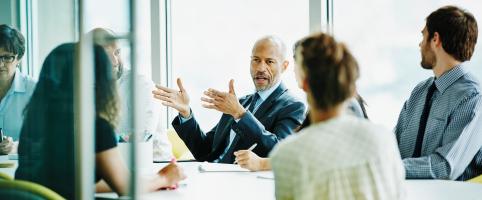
{"x":237,"y":120}
{"x":183,"y":119}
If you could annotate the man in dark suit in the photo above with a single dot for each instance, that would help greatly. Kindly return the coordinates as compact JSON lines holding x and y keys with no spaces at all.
{"x":263,"y":118}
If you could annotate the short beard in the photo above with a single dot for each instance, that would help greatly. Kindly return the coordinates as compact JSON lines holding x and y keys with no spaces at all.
{"x":118,"y":73}
{"x":426,"y":65}
{"x":428,"y":59}
{"x":262,"y":88}
{"x":268,"y":86}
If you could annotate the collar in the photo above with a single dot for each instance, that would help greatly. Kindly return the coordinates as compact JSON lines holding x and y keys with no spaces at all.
{"x":264,"y":94}
{"x":18,"y":83}
{"x":449,"y":77}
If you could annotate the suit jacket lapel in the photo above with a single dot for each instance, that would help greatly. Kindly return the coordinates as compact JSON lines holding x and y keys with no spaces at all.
{"x":269,"y":101}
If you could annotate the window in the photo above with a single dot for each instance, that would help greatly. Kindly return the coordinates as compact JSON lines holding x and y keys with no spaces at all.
{"x":384,"y":37}
{"x":212,"y":41}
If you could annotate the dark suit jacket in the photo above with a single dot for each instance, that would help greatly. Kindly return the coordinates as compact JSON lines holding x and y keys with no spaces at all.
{"x":275,"y":119}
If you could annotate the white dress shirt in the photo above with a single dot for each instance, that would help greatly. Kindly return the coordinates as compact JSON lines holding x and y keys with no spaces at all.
{"x":342,"y":158}
{"x":148,"y":115}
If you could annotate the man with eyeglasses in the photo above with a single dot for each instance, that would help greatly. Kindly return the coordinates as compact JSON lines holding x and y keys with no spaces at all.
{"x":15,"y":87}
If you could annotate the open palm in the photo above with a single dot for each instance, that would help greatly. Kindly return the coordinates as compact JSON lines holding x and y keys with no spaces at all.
{"x":177,"y":99}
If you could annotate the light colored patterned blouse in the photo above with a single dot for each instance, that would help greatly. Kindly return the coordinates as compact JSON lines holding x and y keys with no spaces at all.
{"x":342,"y":158}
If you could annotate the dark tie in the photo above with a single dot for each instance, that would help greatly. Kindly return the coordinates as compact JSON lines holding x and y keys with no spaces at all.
{"x":423,"y":121}
{"x":253,"y":102}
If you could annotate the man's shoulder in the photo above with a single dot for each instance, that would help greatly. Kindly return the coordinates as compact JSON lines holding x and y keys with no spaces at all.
{"x":422,"y":85}
{"x":144,"y":80}
{"x":27,"y":82}
{"x":288,"y":98}
{"x":467,"y":83}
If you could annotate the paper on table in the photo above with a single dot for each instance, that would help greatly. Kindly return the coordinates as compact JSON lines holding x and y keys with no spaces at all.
{"x":215,"y":167}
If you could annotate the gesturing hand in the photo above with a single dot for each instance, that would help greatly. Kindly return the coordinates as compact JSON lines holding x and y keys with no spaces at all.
{"x":178,"y":100}
{"x":225,"y":102}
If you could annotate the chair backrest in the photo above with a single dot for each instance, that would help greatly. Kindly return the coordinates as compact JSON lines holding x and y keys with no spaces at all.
{"x":4,"y":176}
{"x":20,"y":190}
{"x":477,"y":179}
{"x":178,"y":146}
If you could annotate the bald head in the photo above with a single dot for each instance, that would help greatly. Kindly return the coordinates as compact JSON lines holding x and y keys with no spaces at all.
{"x":103,"y":36}
{"x":108,"y":40}
{"x":274,"y":43}
{"x":268,"y":62}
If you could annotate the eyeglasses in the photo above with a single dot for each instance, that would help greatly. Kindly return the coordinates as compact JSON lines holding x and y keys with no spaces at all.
{"x":7,"y":59}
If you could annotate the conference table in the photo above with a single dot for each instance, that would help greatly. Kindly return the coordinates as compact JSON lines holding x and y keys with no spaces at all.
{"x":223,"y":181}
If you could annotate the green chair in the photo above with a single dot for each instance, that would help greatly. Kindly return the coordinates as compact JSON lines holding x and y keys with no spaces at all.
{"x":20,"y":190}
{"x":4,"y":176}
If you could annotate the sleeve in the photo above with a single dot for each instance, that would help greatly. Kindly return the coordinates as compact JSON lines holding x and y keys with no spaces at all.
{"x":150,"y":112}
{"x":401,"y":122}
{"x":286,"y":121}
{"x":198,"y":142}
{"x":182,"y":119}
{"x":104,"y":136}
{"x":150,"y":115}
{"x":464,"y":141}
{"x":162,"y":147}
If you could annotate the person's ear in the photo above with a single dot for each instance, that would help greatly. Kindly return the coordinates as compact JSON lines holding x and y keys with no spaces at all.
{"x":305,"y":86}
{"x":436,"y":41}
{"x":285,"y":65}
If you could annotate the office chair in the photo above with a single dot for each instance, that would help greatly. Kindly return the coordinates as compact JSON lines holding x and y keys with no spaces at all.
{"x":477,"y":179}
{"x":20,"y":190}
{"x":4,"y":176}
{"x":179,"y":149}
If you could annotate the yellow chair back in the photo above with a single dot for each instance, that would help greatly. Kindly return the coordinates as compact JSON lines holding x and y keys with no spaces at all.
{"x":477,"y":179}
{"x":179,"y":149}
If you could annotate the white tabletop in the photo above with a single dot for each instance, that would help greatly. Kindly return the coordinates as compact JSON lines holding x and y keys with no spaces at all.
{"x":249,"y":185}
{"x":443,"y":190}
{"x":255,"y":185}
{"x":219,"y":185}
